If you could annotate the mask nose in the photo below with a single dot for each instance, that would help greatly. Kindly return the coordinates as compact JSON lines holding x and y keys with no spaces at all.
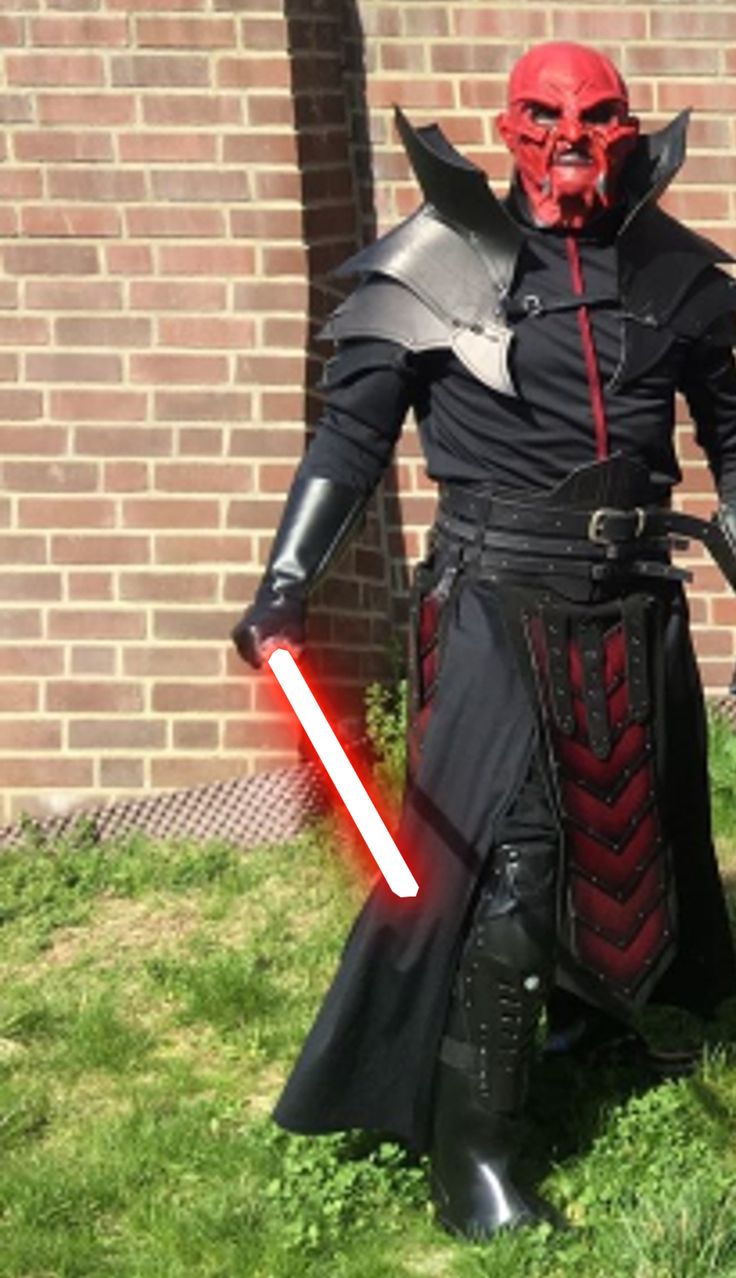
{"x":570,"y":129}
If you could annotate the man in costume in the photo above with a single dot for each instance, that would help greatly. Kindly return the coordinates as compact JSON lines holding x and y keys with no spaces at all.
{"x":556,"y":813}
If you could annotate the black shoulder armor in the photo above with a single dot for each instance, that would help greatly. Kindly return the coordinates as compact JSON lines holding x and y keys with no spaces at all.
{"x":440,"y":278}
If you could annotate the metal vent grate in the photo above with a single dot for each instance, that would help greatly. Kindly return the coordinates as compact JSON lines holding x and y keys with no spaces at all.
{"x":264,"y":808}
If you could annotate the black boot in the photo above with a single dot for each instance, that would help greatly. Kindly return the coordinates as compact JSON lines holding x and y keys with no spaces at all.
{"x":482,"y":1073}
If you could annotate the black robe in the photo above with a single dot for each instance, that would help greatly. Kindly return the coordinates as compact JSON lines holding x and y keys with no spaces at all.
{"x":368,"y":1061}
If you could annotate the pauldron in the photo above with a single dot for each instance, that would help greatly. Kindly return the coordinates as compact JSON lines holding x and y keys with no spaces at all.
{"x":442,"y":277}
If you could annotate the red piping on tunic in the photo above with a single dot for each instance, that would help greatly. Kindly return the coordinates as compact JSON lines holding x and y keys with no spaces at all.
{"x":591,"y":361}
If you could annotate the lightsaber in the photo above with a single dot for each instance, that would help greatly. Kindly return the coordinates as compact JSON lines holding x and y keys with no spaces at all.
{"x":343,"y":775}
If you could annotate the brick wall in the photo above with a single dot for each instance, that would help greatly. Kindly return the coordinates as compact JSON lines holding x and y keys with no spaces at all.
{"x":178,"y":177}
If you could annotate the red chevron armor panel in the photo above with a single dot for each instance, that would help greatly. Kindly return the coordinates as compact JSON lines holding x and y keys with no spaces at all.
{"x":618,"y":916}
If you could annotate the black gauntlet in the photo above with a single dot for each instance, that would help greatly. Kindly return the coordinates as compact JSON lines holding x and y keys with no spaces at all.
{"x":318,"y":519}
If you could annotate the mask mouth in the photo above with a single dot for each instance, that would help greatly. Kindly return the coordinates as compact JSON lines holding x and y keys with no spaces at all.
{"x":573,"y":158}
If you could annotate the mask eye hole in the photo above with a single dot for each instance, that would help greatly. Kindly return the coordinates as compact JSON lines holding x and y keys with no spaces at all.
{"x":542,"y":112}
{"x":603,"y":112}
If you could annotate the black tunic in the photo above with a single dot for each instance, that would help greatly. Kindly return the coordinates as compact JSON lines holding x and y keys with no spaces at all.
{"x":368,"y":1060}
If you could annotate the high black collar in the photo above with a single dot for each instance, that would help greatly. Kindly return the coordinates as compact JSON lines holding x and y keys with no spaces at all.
{"x":459,"y":192}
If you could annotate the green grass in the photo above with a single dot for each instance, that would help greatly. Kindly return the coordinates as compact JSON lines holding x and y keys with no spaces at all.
{"x":152,"y":997}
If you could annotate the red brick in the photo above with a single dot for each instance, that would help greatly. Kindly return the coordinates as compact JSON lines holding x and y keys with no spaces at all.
{"x":259,"y":147}
{"x":15,"y":548}
{"x":69,"y":29}
{"x":62,"y":366}
{"x":230,"y":260}
{"x":90,"y":587}
{"x":269,"y":108}
{"x":713,"y":643}
{"x":125,"y":476}
{"x":35,"y":660}
{"x":41,"y":476}
{"x":161,"y":587}
{"x":193,"y":623}
{"x":15,"y":108}
{"x":85,"y":696}
{"x":212,"y":477}
{"x":96,"y":623}
{"x":710,"y":95}
{"x":596,"y":25}
{"x":23,"y":330}
{"x":156,"y":512}
{"x":200,"y":441}
{"x":123,"y":774}
{"x":69,"y":69}
{"x":71,"y":220}
{"x":253,"y":73}
{"x":103,"y":330}
{"x":196,"y":406}
{"x":276,"y":297}
{"x":65,"y":513}
{"x":79,"y":295}
{"x":9,"y":366}
{"x":167,"y":661}
{"x":182,"y":773}
{"x":203,"y":548}
{"x":271,"y":370}
{"x":180,"y":71}
{"x":18,"y":698}
{"x":176,"y":148}
{"x":474,"y":57}
{"x":128,"y":259}
{"x":212,"y":332}
{"x":51,"y":259}
{"x":27,"y":586}
{"x":121,"y":441}
{"x":512,"y":22}
{"x":196,"y":110}
{"x":41,"y":145}
{"x":182,"y":369}
{"x":11,"y":31}
{"x":92,"y":659}
{"x":28,"y":734}
{"x":109,"y":405}
{"x":670,"y":60}
{"x":117,"y":734}
{"x":21,"y":183}
{"x":403,"y":56}
{"x":261,"y":733}
{"x":96,"y":184}
{"x":96,"y":109}
{"x":187,"y":697}
{"x":181,"y":33}
{"x":424,"y":93}
{"x":724,"y":612}
{"x":197,"y":735}
{"x":45,"y":772}
{"x":170,"y":220}
{"x":692,"y":23}
{"x":111,"y":549}
{"x":423,"y":20}
{"x":177,"y":295}
{"x":264,"y":33}
{"x":20,"y":623}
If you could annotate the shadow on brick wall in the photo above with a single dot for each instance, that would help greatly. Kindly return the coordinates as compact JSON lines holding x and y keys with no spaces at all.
{"x":326,"y":49}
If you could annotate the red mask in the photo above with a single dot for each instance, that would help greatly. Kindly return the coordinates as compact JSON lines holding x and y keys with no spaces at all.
{"x":568,"y":128}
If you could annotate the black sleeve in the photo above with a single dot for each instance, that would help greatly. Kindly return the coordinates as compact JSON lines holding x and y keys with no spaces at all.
{"x":369,"y":385}
{"x":708,"y":382}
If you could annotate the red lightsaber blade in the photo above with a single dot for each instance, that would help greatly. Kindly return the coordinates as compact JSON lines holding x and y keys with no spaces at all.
{"x":342,"y":773}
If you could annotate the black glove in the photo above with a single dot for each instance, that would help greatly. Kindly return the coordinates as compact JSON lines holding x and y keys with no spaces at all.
{"x":318,"y":519}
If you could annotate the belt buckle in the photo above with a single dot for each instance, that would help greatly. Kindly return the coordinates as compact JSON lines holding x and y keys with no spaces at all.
{"x":597,"y":521}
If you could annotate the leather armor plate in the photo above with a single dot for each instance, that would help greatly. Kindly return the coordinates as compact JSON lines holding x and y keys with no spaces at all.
{"x":594,"y":672}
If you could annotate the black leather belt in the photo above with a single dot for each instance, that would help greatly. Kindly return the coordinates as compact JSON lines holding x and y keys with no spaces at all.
{"x":535,"y":537}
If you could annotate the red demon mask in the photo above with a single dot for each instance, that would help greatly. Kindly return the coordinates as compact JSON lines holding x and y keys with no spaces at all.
{"x":568,"y":127}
